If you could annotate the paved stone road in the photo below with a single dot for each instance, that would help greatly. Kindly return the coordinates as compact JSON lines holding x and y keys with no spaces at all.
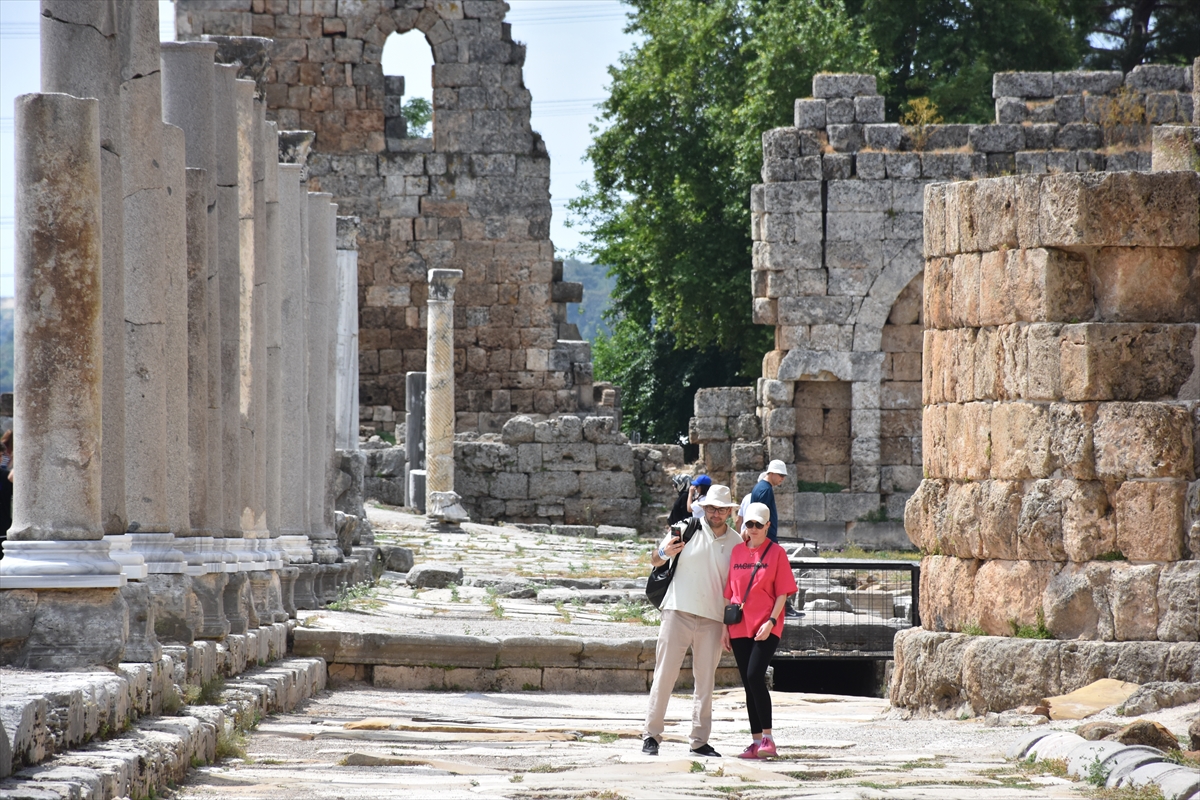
{"x":365,"y":743}
{"x":360,"y":742}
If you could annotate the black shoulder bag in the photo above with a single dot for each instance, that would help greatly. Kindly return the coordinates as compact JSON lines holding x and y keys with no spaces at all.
{"x":733,"y":611}
{"x":660,"y":576}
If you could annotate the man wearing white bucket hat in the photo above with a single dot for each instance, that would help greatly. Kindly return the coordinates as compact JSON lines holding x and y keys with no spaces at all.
{"x":693,"y":615}
{"x":764,"y":492}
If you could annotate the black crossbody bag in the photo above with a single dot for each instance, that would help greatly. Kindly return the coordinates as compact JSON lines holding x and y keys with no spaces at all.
{"x":660,"y":576}
{"x":733,"y":611}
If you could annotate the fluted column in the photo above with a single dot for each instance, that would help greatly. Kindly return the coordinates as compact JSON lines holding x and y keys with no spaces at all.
{"x":56,"y":542}
{"x":441,"y":502}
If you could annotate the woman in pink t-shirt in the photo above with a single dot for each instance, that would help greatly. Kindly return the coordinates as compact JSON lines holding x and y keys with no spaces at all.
{"x":760,"y":578}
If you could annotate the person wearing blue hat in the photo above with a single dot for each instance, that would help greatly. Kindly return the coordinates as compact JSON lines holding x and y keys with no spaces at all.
{"x":700,"y":486}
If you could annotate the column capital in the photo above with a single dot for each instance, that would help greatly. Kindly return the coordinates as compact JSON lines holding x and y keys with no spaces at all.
{"x":442,"y":283}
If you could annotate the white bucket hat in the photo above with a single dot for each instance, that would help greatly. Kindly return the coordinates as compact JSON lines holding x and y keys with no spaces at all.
{"x":717,"y":496}
{"x":777,"y":467}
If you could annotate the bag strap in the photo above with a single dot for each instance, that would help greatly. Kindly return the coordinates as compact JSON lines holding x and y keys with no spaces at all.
{"x":753,"y":572}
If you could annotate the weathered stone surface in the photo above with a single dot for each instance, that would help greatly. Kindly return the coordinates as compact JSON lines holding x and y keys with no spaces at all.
{"x":1131,"y":361}
{"x":434,"y":576}
{"x":1146,"y":733}
{"x":1149,"y":519}
{"x":397,"y":559}
{"x":1143,"y":440}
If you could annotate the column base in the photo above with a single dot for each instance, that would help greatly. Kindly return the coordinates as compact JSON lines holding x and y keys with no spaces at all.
{"x":59,"y":565}
{"x":59,"y":631}
{"x":197,"y":553}
{"x":296,"y":548}
{"x":210,"y":592}
{"x":158,"y":549}
{"x":305,"y":591}
{"x":287,"y":581}
{"x":238,"y":603}
{"x":120,"y":550}
{"x":142,"y":646}
{"x":177,"y":608}
{"x":446,"y":508}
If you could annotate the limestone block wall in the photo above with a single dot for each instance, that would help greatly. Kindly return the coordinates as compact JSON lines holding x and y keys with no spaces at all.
{"x":566,"y":470}
{"x":838,"y":267}
{"x":473,"y":197}
{"x":1062,"y":407}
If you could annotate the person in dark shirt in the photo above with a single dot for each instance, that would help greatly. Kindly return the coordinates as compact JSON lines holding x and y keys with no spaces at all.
{"x":764,"y":492}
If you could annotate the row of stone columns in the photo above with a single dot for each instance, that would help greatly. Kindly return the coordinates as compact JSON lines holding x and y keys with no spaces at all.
{"x":177,"y":342}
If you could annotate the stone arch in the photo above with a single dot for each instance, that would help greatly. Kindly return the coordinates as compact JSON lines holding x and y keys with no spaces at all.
{"x":409,"y":54}
{"x":906,"y":263}
{"x":475,"y":197}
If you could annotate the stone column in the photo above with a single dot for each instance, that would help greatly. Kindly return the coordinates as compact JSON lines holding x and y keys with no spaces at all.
{"x":229,"y":255}
{"x":346,"y":391}
{"x":55,"y":542}
{"x":188,"y":78}
{"x":80,"y":55}
{"x":322,"y":260}
{"x":209,"y":586}
{"x":293,"y":407}
{"x":414,"y":440}
{"x":441,"y":503}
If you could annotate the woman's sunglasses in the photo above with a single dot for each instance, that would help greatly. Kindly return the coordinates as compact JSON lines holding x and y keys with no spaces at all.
{"x":752,"y":524}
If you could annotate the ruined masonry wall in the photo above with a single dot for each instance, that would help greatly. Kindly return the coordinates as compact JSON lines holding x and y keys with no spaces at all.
{"x":837,"y":266}
{"x":474,"y":197}
{"x":1062,"y":406}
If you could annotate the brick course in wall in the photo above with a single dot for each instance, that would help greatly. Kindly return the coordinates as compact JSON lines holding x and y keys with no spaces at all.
{"x":473,"y":197}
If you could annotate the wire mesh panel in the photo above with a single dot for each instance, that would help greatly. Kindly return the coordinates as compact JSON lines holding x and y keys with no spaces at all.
{"x":851,"y":607}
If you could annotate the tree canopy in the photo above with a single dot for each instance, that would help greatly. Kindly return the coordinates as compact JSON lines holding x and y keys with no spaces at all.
{"x":673,"y":165}
{"x":678,"y":147}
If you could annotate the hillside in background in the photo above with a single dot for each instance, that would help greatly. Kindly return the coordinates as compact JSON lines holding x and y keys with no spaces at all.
{"x":597,"y":288}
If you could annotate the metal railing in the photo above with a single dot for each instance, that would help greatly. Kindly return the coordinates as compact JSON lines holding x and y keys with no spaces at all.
{"x":851,"y":607}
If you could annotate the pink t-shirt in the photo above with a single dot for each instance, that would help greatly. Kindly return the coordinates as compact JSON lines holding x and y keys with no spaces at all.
{"x":774,"y":578}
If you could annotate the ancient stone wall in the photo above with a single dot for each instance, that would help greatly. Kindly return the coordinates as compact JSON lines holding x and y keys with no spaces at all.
{"x":1061,"y":426}
{"x":473,"y":197}
{"x":837,"y":266}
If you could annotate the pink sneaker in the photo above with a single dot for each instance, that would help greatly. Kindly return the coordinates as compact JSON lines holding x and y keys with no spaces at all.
{"x":750,"y":752}
{"x":767,"y":748}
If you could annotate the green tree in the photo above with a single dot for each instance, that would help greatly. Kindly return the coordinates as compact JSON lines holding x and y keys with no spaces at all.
{"x":1123,"y":34}
{"x":947,"y":50}
{"x":677,"y":151}
{"x":417,"y":112}
{"x":658,"y":380}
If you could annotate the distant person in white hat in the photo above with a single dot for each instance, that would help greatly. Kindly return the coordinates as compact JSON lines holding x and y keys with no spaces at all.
{"x":764,"y":492}
{"x":693,"y":614}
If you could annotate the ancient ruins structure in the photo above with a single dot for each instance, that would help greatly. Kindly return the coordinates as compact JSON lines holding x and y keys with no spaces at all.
{"x":1060,"y":425}
{"x":473,"y":197}
{"x":838,"y":270}
{"x":177,"y":353}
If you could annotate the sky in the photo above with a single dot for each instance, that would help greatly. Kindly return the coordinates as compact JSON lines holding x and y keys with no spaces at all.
{"x":570,"y":45}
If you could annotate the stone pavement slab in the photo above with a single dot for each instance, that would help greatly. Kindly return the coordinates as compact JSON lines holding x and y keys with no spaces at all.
{"x":362,"y":742}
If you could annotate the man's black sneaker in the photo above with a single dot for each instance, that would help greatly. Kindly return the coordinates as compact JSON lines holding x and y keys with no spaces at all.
{"x":650,"y":746}
{"x":705,"y":750}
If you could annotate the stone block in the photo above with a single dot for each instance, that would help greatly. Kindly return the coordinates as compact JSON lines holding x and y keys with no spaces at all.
{"x":1133,"y":598}
{"x":779,"y":422}
{"x":837,"y":166}
{"x":947,"y":601}
{"x":884,"y":136}
{"x":1011,"y":111}
{"x":1023,"y":84}
{"x":1146,"y":284}
{"x":1071,"y":443}
{"x":1044,"y":286}
{"x":1010,"y":591}
{"x":1020,"y":441}
{"x":936,"y":243}
{"x":570,"y":456}
{"x":1149,"y":519}
{"x":828,"y":85}
{"x":868,"y":109}
{"x":810,"y":113}
{"x":608,"y":485}
{"x":900,"y":165}
{"x":851,"y":505}
{"x":968,"y":434}
{"x":1158,"y":78}
{"x":845,"y":138}
{"x":839,"y":111}
{"x":996,"y":138}
{"x":1126,"y":361}
{"x":1143,"y":440}
{"x":1122,"y":209}
{"x":1179,"y":602}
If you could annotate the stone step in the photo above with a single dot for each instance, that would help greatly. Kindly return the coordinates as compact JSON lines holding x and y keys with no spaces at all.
{"x":493,"y":663}
{"x":154,"y":751}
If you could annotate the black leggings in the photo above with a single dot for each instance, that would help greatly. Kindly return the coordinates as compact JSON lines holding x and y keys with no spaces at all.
{"x":753,"y":658}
